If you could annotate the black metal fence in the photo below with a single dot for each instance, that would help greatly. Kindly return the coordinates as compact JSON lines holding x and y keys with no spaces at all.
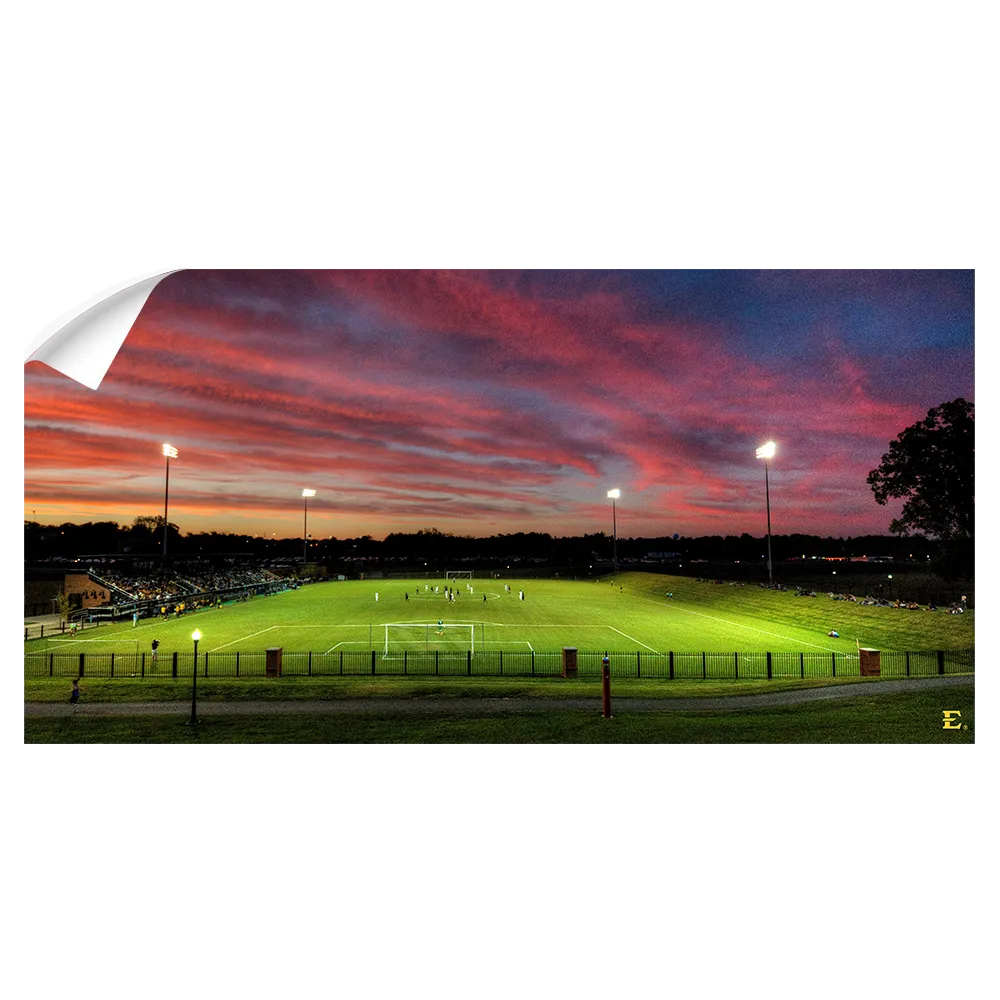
{"x":498,"y":663}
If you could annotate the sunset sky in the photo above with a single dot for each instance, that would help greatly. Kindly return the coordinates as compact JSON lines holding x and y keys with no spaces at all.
{"x":484,"y":402}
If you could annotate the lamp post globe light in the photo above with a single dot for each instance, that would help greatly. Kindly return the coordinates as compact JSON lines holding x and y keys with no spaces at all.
{"x":613,"y":495}
{"x":306,"y":494}
{"x":766,"y":452}
{"x":196,"y":635}
{"x":169,"y":452}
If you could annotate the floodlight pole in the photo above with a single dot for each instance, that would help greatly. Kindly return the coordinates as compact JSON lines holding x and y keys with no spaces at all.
{"x":306,"y":494}
{"x":614,"y":495}
{"x":169,"y":452}
{"x":766,"y":452}
{"x":767,"y":496}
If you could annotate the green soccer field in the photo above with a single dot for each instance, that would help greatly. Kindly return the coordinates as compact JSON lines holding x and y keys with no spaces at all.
{"x":631,"y":613}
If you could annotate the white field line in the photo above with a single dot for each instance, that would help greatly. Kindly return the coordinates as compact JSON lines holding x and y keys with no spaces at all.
{"x":242,"y":638}
{"x":76,"y":642}
{"x":332,"y":648}
{"x":724,"y":621}
{"x":631,"y":637}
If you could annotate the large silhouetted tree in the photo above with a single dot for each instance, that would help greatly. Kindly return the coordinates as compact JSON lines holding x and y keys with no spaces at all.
{"x":931,"y":465}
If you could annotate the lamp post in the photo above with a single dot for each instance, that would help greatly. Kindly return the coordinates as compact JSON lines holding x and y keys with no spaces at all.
{"x":169,"y":452}
{"x":196,"y":635}
{"x":766,"y":451}
{"x":306,"y":494}
{"x":614,"y":495}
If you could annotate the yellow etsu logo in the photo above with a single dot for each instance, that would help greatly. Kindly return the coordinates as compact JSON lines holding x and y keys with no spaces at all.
{"x":951,"y":719}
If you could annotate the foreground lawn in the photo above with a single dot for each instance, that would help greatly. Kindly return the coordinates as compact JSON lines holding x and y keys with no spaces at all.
{"x":903,"y":718}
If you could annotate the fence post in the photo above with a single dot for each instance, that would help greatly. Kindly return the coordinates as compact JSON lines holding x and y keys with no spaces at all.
{"x":174,"y":664}
{"x":501,"y":663}
{"x":342,"y":661}
{"x":50,"y":664}
{"x":638,"y":667}
{"x":142,"y":664}
{"x":703,"y":666}
{"x":206,"y":662}
{"x":736,"y":664}
{"x":940,"y":656}
{"x":907,"y":664}
{"x":436,"y":661}
{"x":770,"y":673}
{"x":468,"y":661}
{"x":112,"y":664}
{"x":82,"y":663}
{"x":373,"y":663}
{"x":802,"y":664}
{"x":833,"y":658}
{"x":532,"y":663}
{"x":404,"y":660}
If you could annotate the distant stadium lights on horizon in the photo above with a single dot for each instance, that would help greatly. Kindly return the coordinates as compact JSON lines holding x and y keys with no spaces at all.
{"x":309,"y":493}
{"x":169,"y":451}
{"x":767,"y":450}
{"x":614,"y":494}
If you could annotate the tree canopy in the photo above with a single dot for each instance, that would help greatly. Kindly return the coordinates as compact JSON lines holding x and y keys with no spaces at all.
{"x":931,"y":465}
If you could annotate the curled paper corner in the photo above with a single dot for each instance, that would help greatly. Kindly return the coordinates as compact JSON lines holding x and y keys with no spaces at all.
{"x":83,"y":344}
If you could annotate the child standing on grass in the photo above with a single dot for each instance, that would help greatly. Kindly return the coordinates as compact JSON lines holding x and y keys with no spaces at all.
{"x":74,"y":695}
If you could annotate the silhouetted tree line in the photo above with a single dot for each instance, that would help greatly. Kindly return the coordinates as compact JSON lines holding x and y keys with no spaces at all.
{"x":441,"y":550}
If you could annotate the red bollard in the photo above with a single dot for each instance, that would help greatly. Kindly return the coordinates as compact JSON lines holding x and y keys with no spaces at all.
{"x":606,"y":687}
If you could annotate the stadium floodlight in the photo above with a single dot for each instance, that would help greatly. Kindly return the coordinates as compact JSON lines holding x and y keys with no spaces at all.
{"x":766,"y":451}
{"x":196,"y":635}
{"x":169,"y":452}
{"x":306,"y":494}
{"x":613,"y":495}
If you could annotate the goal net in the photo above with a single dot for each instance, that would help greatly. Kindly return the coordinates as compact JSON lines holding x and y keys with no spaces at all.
{"x":458,"y":574}
{"x":431,"y":635}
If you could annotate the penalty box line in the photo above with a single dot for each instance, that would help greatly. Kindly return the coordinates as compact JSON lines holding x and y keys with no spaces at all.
{"x":631,"y":638}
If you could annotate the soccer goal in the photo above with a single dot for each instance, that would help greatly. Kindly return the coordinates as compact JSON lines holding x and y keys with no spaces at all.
{"x":458,"y":574}
{"x":422,"y":635}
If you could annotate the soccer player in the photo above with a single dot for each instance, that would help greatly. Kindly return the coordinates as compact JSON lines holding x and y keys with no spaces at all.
{"x":376,"y":597}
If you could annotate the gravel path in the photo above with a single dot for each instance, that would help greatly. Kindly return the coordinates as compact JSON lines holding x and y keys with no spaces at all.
{"x":500,"y":706}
